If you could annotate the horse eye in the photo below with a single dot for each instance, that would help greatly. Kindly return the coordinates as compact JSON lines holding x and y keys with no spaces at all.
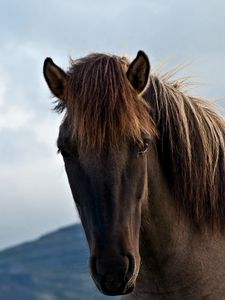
{"x":64,"y":153}
{"x":144,"y":147}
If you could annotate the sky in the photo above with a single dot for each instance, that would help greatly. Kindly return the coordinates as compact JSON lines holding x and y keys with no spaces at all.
{"x":34,"y":193}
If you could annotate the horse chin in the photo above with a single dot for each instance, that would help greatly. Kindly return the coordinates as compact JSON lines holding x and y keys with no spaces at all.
{"x":122,"y":290}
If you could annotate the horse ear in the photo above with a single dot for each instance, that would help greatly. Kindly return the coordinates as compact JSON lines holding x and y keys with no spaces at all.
{"x":55,"y":77}
{"x":138,"y":71}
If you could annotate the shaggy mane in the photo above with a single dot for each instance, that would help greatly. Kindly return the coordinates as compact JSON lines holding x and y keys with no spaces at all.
{"x":102,"y":107}
{"x":191,"y":149}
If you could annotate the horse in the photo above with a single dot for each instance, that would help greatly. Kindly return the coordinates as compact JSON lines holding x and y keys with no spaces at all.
{"x":145,"y":163}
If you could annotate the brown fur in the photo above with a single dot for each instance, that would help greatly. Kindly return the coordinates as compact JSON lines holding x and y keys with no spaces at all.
{"x":192,"y":151}
{"x":103,"y":109}
{"x":102,"y":106}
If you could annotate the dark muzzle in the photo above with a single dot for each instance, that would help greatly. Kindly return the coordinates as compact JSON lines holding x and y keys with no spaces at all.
{"x":113,"y":274}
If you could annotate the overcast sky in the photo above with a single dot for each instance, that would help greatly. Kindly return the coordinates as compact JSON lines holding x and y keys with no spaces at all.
{"x":34,"y":194}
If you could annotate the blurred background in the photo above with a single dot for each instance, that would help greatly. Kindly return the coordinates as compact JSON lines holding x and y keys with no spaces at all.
{"x":35,"y":196}
{"x":34,"y":193}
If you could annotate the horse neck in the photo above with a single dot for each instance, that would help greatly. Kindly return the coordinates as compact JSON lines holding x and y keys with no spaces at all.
{"x":162,"y":226}
{"x":177,"y":261}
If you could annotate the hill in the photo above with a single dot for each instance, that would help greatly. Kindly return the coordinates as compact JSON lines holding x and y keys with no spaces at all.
{"x":54,"y":267}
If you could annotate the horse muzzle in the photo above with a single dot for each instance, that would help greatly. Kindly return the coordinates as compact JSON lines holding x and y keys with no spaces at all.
{"x":113,"y":275}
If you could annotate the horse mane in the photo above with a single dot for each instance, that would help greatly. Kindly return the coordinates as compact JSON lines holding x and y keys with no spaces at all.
{"x":191,"y":149}
{"x":102,"y":107}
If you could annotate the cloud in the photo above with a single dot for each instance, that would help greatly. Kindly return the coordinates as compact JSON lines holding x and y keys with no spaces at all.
{"x":14,"y":118}
{"x":36,"y":200}
{"x":34,"y":193}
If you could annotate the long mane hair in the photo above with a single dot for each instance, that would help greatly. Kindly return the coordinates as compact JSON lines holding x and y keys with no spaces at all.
{"x":103,"y":108}
{"x":191,"y":149}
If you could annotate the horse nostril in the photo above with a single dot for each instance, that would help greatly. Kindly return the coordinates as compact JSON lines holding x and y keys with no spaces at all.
{"x":112,"y":274}
{"x":99,"y":270}
{"x":131,"y":266}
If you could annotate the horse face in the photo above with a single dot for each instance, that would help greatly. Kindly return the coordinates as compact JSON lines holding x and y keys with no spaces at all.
{"x":109,"y":190}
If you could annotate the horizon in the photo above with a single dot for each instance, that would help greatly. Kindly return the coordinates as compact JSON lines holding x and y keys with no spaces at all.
{"x":42,"y":235}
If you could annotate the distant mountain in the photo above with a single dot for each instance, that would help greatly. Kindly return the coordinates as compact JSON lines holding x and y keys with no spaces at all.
{"x":54,"y":267}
